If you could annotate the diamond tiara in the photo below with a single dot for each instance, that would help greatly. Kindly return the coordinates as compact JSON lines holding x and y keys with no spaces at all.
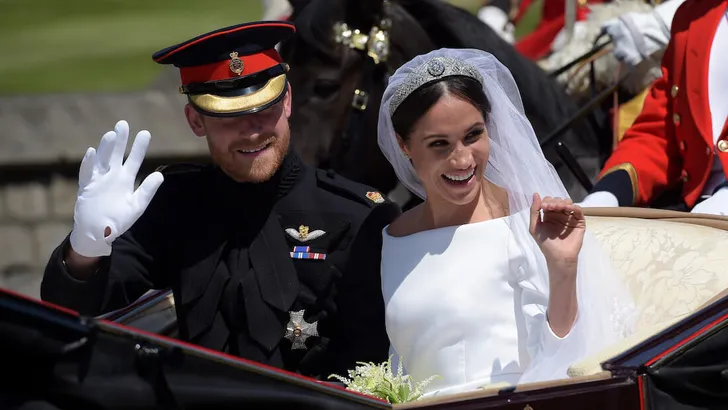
{"x":434,"y":69}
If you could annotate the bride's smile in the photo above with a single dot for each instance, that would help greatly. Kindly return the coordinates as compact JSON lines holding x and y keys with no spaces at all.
{"x":460,"y":178}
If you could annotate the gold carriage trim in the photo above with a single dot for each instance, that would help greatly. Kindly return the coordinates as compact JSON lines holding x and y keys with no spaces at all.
{"x":629,"y":168}
{"x":228,"y":105}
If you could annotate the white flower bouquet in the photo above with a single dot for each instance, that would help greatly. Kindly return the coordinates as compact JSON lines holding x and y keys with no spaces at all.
{"x":379,"y":381}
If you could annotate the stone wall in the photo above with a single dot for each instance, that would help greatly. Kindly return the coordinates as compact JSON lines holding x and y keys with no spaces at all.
{"x":35,"y":216}
{"x":50,"y":129}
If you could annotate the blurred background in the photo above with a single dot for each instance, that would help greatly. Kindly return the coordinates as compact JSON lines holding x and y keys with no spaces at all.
{"x":69,"y":70}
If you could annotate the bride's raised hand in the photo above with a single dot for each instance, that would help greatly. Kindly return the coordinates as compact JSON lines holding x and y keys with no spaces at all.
{"x":560,"y":233}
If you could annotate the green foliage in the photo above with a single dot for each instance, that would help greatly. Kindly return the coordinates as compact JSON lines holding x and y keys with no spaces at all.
{"x":379,"y":381}
{"x":52,"y":46}
{"x":530,"y":19}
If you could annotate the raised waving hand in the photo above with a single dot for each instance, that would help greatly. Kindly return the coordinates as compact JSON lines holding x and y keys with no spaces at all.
{"x":107,"y":204}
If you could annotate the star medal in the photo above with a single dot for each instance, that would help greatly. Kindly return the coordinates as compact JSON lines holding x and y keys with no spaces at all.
{"x":298,"y":330}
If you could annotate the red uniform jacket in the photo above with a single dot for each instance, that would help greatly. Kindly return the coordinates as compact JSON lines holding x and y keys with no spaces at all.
{"x":671,"y":141}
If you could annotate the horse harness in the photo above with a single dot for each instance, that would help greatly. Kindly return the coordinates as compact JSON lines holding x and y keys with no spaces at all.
{"x":376,"y":45}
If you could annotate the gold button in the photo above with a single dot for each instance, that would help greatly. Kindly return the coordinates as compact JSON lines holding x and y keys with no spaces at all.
{"x":682,"y":146}
{"x":674,"y":90}
{"x":723,"y":146}
{"x":685,"y":176}
{"x":676,"y":119}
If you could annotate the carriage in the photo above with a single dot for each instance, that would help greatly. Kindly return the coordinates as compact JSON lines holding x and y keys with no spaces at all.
{"x":673,"y":263}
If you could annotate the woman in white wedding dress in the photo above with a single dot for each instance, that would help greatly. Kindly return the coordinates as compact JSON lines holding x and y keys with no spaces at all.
{"x":495,"y":277}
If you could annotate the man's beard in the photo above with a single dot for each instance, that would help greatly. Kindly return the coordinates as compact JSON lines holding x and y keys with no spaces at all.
{"x":260,"y":169}
{"x":264,"y":168}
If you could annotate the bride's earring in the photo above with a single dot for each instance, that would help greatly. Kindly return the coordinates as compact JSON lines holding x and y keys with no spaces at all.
{"x":406,"y":156}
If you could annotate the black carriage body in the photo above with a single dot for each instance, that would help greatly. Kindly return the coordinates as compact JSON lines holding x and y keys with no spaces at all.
{"x":684,"y":367}
{"x":55,"y":359}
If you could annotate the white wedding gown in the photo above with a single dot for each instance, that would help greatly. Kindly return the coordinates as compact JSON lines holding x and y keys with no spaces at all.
{"x":455,"y":309}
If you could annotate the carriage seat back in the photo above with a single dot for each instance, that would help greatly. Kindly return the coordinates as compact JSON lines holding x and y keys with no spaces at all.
{"x":673,"y":263}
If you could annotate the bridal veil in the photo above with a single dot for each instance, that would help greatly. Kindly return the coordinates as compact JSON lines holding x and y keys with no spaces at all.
{"x":517,"y":164}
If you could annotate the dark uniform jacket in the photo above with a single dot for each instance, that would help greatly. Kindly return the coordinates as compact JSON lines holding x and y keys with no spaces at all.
{"x":227,"y":252}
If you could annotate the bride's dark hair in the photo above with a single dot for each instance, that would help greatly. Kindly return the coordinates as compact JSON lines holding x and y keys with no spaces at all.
{"x":422,"y":99}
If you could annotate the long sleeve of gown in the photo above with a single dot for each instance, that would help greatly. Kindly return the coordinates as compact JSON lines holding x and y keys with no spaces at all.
{"x":604,"y":316}
{"x":548,"y":355}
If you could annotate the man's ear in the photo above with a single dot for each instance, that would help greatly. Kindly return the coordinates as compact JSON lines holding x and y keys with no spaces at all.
{"x":194,"y":120}
{"x":287,"y":101}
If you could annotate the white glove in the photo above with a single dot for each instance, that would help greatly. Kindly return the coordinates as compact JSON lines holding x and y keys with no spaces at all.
{"x":498,"y":20}
{"x":599,"y":199}
{"x":717,"y":204}
{"x":106,"y":196}
{"x":636,"y":36}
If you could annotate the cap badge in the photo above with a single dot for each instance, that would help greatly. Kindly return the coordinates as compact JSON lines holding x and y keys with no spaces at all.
{"x":375,"y":197}
{"x":236,"y":64}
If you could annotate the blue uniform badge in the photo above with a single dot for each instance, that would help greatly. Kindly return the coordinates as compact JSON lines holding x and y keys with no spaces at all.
{"x":304,"y":252}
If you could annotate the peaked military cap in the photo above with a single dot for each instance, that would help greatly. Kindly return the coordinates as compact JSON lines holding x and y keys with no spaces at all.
{"x":232,"y":71}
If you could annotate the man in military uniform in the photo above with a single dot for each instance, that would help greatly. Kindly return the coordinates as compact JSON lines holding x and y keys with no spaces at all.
{"x":268,"y":258}
{"x":680,"y":139}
